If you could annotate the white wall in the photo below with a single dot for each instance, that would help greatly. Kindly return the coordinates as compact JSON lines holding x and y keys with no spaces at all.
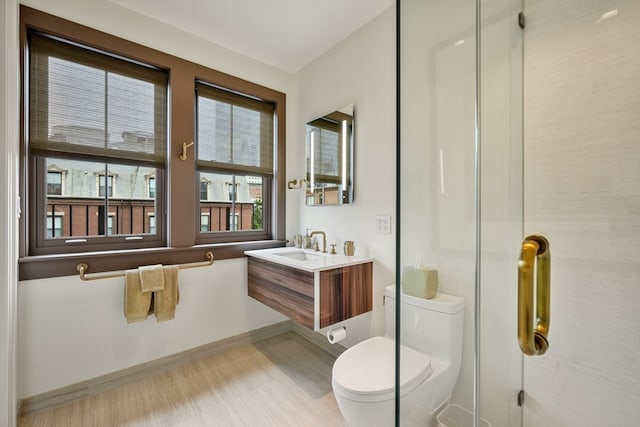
{"x":360,"y":70}
{"x":8,"y":220}
{"x":70,"y":330}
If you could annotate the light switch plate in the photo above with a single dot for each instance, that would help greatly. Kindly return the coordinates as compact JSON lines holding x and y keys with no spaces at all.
{"x":383,"y":224}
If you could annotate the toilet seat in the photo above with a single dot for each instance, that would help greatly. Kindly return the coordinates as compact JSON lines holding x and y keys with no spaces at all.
{"x":366,"y":371}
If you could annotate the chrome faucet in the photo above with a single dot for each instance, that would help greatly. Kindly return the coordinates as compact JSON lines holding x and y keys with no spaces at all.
{"x":324,"y":240}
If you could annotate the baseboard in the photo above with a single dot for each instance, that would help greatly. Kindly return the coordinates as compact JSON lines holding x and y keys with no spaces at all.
{"x":319,"y":340}
{"x":96,"y":385}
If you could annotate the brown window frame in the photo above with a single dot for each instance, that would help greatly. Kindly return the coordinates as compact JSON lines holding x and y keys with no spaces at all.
{"x":182,"y":226}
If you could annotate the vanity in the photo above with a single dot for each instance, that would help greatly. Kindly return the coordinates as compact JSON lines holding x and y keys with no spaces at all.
{"x":313,"y":288}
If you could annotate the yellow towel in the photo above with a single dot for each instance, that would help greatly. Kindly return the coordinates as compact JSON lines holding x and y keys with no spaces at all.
{"x":136,"y":302}
{"x":151,"y":277}
{"x":165,"y":301}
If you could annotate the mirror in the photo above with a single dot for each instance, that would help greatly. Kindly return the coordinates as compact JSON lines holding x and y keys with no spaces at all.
{"x":329,"y":158}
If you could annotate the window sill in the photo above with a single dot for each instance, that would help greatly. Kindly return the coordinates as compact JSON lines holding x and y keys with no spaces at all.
{"x":45,"y":266}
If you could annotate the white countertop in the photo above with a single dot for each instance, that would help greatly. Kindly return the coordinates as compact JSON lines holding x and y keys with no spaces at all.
{"x":315,"y":261}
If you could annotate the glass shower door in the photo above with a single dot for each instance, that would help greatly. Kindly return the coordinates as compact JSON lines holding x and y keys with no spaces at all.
{"x":582,"y":191}
{"x":461,"y":203}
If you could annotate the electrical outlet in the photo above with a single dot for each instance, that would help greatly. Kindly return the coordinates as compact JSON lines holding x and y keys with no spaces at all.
{"x":383,"y":224}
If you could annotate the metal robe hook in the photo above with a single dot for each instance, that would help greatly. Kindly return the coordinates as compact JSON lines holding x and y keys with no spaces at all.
{"x":183,"y":156}
{"x":294,"y":184}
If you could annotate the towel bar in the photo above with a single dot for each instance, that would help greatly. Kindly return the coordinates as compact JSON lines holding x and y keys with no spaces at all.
{"x":83,"y":267}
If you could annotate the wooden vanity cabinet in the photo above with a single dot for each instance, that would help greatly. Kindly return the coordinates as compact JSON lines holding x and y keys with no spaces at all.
{"x":314,"y":299}
{"x":345,"y":292}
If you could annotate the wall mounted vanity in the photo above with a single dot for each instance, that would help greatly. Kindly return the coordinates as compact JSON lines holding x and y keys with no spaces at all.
{"x":312,"y":288}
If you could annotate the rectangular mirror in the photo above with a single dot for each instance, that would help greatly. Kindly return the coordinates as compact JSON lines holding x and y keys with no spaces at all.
{"x":329,"y":158}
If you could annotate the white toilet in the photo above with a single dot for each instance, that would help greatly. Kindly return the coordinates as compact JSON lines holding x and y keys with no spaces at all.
{"x":364,"y":375}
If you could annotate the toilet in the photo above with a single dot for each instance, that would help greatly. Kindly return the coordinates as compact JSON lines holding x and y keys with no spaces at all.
{"x":363,"y":377}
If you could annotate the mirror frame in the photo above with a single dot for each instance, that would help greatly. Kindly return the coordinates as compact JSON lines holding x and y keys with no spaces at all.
{"x":334,"y":183}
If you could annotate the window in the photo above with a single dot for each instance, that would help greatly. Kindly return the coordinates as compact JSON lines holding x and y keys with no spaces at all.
{"x":54,"y":183}
{"x":204,"y":223}
{"x":98,"y":110}
{"x":235,"y":135}
{"x":233,"y":221}
{"x":204,"y":190}
{"x":151,"y":182}
{"x":81,"y":117}
{"x":105,"y":186}
{"x":231,"y":190}
{"x":152,"y":224}
{"x":54,"y":225}
{"x":110,"y":225}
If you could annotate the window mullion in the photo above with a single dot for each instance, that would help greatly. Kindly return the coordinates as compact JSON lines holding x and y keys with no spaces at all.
{"x":181,"y":184}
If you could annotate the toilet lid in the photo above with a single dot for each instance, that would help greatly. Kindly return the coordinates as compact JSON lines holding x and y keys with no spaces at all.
{"x":366,"y":371}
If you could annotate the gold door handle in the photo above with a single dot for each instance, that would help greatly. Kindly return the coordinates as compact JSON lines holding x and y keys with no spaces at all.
{"x":532,"y":335}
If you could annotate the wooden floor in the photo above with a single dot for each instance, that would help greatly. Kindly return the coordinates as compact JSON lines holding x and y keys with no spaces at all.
{"x":281,"y":381}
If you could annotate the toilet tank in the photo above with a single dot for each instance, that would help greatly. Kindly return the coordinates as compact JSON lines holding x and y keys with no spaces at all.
{"x":431,"y":326}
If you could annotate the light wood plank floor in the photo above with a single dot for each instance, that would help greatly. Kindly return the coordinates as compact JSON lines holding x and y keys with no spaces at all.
{"x":281,"y":381}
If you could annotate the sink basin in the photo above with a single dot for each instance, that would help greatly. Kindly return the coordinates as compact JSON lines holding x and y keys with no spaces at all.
{"x":299,"y":255}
